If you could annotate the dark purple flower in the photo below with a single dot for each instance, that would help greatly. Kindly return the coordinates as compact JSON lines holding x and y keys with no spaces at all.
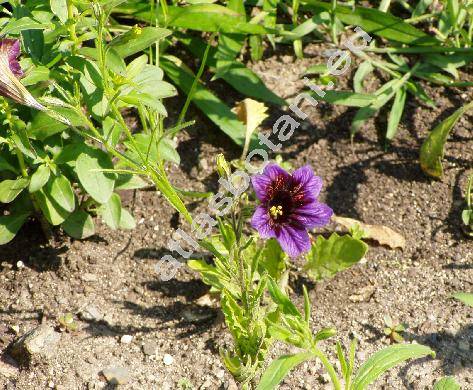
{"x":10,"y":49}
{"x":289,"y":207}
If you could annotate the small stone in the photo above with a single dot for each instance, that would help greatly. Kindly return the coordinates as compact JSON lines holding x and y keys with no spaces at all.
{"x":51,"y":385}
{"x":168,"y":359}
{"x":116,"y":375}
{"x":150,"y":348}
{"x":20,"y":264}
{"x":464,"y":345}
{"x":220,"y":374}
{"x":126,"y":339}
{"x":37,"y":344}
{"x":91,"y":313}
{"x":88,"y":277}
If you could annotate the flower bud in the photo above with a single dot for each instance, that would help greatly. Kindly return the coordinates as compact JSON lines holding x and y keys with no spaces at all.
{"x":223,"y":168}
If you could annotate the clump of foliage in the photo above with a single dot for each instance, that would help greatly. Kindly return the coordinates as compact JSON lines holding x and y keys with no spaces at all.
{"x":66,"y":148}
{"x":394,"y":331}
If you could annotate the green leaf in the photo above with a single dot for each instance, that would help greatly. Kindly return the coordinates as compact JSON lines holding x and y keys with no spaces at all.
{"x":15,"y":26}
{"x":447,"y":383}
{"x":60,"y":189}
{"x":432,"y":150}
{"x":9,"y":226}
{"x":5,"y":165}
{"x":36,"y":75}
{"x":126,"y":220}
{"x":385,"y":359}
{"x":205,"y":17}
{"x":99,"y":185}
{"x":466,"y":298}
{"x":210,"y":274}
{"x":347,"y":98}
{"x":111,"y":211}
{"x":377,"y":22}
{"x":396,"y":113}
{"x":52,"y":211}
{"x":137,"y":39}
{"x":10,"y":189}
{"x":39,"y":178}
{"x":59,"y":8}
{"x":332,"y":255}
{"x":363,"y":70}
{"x":279,"y":368}
{"x":79,"y":225}
{"x":232,"y":71}
{"x":272,"y":259}
{"x":282,"y":300}
{"x":212,"y":106}
{"x":129,"y":182}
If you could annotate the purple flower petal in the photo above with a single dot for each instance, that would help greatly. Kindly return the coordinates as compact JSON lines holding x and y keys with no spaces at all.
{"x":262,"y":222}
{"x":262,"y":182}
{"x":312,"y":215}
{"x":11,"y":48}
{"x":310,"y":184}
{"x":293,"y":241}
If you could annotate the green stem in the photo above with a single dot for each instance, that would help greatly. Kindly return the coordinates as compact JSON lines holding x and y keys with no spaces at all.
{"x":72,"y":25}
{"x":328,"y":366}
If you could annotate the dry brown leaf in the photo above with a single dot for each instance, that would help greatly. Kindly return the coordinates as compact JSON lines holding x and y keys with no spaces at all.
{"x":379,"y":233}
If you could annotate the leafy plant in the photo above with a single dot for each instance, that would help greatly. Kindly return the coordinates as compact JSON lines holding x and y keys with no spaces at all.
{"x":63,"y":160}
{"x":294,"y":328}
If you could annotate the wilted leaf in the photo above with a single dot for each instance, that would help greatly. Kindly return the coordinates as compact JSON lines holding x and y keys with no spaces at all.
{"x":379,"y":233}
{"x":252,"y":114}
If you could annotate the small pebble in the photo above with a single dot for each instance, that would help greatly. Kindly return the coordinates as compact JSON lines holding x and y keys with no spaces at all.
{"x":20,"y":264}
{"x":150,"y":348}
{"x":126,"y":339}
{"x":116,"y":375}
{"x":168,"y":359}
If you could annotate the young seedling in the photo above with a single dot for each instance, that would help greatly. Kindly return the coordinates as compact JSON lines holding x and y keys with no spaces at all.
{"x":67,"y":323}
{"x":394,"y":331}
{"x":467,"y":214}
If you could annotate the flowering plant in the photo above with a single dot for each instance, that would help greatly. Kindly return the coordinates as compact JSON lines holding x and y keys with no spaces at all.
{"x":250,"y":272}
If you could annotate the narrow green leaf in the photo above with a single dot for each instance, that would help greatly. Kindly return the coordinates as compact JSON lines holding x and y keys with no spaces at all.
{"x":137,"y":39}
{"x":212,"y":106}
{"x":432,"y":150}
{"x":279,"y":368}
{"x":348,"y":98}
{"x":385,"y":359}
{"x":282,"y":300}
{"x":363,"y":70}
{"x":376,"y":22}
{"x":396,"y":113}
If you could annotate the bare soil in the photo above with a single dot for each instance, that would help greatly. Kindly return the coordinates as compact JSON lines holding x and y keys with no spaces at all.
{"x":114,"y":270}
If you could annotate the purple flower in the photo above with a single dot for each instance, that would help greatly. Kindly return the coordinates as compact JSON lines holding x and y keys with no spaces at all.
{"x":10,"y":50}
{"x":289,"y":207}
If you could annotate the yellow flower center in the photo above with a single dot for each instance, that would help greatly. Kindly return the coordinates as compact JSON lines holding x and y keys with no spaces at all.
{"x":275,"y":211}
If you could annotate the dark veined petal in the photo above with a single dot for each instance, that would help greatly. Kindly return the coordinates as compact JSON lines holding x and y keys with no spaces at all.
{"x":293,"y":240}
{"x":262,"y":182}
{"x":262,"y":222}
{"x":11,"y":48}
{"x":312,"y":215}
{"x":309,"y":183}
